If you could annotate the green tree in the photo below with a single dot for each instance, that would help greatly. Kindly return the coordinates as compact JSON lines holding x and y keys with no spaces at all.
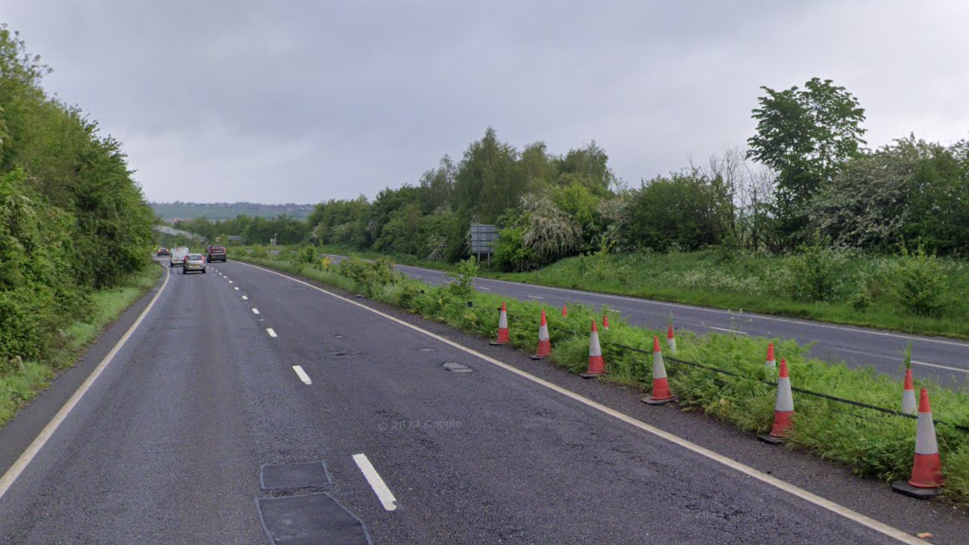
{"x":806,"y":136}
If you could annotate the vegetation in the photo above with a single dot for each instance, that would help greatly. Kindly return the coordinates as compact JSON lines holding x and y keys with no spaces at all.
{"x":73,"y":224}
{"x":873,"y":444}
{"x":822,"y":228}
{"x":23,"y":378}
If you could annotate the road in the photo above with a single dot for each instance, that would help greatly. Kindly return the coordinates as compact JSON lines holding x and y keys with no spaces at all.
{"x":944,"y":360}
{"x":214,"y":421}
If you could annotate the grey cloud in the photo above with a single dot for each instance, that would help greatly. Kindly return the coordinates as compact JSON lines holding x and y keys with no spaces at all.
{"x":304,"y":101}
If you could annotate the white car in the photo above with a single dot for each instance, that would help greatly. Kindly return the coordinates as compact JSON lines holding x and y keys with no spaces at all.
{"x":178,"y":256}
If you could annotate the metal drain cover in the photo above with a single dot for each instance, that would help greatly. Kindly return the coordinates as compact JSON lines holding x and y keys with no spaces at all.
{"x":288,"y":476}
{"x":310,"y":520}
{"x":457,"y":367}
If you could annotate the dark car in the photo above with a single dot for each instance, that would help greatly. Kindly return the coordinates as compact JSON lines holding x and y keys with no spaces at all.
{"x":163,"y":251}
{"x":216,"y":253}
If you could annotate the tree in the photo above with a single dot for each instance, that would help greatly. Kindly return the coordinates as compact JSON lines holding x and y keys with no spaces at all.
{"x":806,"y":136}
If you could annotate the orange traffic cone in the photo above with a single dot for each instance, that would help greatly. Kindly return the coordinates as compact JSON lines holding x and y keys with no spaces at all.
{"x":908,"y":394}
{"x":605,"y":322}
{"x":597,"y":366}
{"x":504,"y":336}
{"x":927,"y":467}
{"x":565,"y":311}
{"x":544,"y":349}
{"x":770,"y":357}
{"x":783,"y":409}
{"x":661,"y":386}
{"x":671,"y":340}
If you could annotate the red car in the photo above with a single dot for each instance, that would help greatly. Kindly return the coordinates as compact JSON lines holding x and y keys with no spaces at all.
{"x":163,"y":251}
{"x":215,"y":253}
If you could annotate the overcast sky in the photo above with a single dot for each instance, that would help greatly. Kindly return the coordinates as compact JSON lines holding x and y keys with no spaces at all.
{"x":303,"y":101}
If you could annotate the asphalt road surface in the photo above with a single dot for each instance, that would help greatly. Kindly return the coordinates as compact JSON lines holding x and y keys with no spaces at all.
{"x":942,"y":359}
{"x":250,"y":407}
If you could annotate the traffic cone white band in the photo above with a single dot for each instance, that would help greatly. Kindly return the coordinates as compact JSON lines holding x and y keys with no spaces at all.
{"x":925,"y":442}
{"x":659,"y":370}
{"x":543,"y":333}
{"x":785,"y":400}
{"x":594,"y":349}
{"x":502,"y":320}
{"x":909,"y":406}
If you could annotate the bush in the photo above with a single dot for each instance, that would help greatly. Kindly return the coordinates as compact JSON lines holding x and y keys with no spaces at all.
{"x":918,"y":283}
{"x":463,"y":275}
{"x":306,"y":255}
{"x":813,"y":272}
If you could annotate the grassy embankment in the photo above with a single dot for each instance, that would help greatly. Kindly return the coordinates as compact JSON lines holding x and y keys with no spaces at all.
{"x":865,"y":290}
{"x":872,"y":444}
{"x":30,"y":377}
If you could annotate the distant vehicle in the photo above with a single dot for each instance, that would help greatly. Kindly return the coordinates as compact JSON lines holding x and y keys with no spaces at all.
{"x":216,"y":253}
{"x":194,"y":263}
{"x":178,"y":256}
{"x":163,"y":251}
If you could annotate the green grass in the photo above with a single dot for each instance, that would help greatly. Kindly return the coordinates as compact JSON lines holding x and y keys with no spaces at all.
{"x":32,"y":377}
{"x":762,"y":284}
{"x":872,"y":444}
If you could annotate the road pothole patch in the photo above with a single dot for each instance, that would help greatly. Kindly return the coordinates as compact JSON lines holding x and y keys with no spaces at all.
{"x":455,"y":367}
{"x":311,"y":519}
{"x":293,"y":476}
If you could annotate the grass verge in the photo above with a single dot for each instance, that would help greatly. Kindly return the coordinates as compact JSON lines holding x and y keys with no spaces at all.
{"x":31,"y":377}
{"x":864,"y":290}
{"x":872,"y":444}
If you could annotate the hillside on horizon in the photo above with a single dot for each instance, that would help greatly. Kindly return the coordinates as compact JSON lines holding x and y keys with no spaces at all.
{"x":179,"y":210}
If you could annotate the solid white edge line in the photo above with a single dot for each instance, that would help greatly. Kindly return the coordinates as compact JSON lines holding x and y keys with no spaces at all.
{"x":914,"y":362}
{"x":255,"y":311}
{"x":383,"y":493}
{"x":718,"y":311}
{"x":271,"y":332}
{"x":729,"y":330}
{"x":940,"y":366}
{"x":28,"y":455}
{"x":302,"y":374}
{"x":733,"y":464}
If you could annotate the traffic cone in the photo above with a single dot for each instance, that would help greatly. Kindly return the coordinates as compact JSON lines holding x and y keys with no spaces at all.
{"x":783,"y":409}
{"x":661,"y":386}
{"x":927,"y":468}
{"x":770,"y":357}
{"x":671,"y":340}
{"x":908,"y":395}
{"x":544,"y":349}
{"x":565,"y":311}
{"x":597,"y":366}
{"x":605,"y":322}
{"x":504,"y":336}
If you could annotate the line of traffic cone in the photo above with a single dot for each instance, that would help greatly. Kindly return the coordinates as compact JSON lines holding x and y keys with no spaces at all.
{"x":927,"y":478}
{"x":544,"y":349}
{"x":670,"y":340}
{"x":908,"y":394}
{"x":661,"y":386}
{"x":597,"y":365}
{"x":504,"y":335}
{"x":605,"y":322}
{"x":783,"y":409}
{"x":771,"y":363}
{"x":565,"y":311}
